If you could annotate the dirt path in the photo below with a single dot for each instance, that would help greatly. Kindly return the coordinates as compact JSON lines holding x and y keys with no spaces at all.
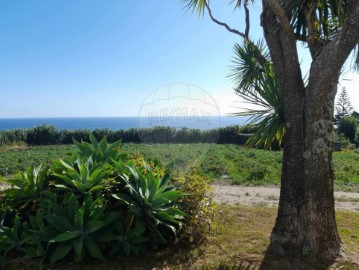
{"x":230,"y":194}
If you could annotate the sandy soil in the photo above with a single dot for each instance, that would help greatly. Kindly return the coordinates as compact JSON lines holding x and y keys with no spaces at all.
{"x":230,"y":194}
{"x":269,"y":196}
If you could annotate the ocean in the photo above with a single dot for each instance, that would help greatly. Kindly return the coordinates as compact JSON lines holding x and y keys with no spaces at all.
{"x":116,"y":123}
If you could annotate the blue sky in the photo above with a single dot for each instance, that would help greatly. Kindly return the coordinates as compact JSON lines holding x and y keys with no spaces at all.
{"x":102,"y":58}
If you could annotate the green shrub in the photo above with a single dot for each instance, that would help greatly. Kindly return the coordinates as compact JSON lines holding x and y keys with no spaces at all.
{"x":347,"y":126}
{"x":203,"y":214}
{"x":93,"y":203}
{"x":26,"y":192}
{"x":343,"y":140}
{"x":48,"y":134}
{"x":257,"y":173}
{"x":45,"y":134}
{"x":213,"y":164}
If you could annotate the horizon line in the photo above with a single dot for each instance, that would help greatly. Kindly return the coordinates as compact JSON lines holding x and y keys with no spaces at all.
{"x":61,"y":117}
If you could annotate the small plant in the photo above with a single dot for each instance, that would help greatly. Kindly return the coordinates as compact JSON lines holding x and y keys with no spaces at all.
{"x":150,"y":198}
{"x":126,"y":237}
{"x":14,"y":238}
{"x":26,"y":188}
{"x":82,"y":176}
{"x":100,"y":152}
{"x":73,"y":227}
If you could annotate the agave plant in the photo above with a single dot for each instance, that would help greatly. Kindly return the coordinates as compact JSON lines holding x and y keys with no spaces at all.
{"x":82,"y":176}
{"x":26,"y":188}
{"x":150,"y":198}
{"x":93,"y":203}
{"x":126,"y":236}
{"x":74,"y":226}
{"x":14,"y":238}
{"x":101,"y":152}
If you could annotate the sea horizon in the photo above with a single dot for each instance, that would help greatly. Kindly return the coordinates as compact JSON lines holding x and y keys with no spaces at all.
{"x":120,"y":122}
{"x":52,"y":117}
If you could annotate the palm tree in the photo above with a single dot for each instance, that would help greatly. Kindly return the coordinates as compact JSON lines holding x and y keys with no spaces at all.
{"x":253,"y":71}
{"x":305,"y":225}
{"x":257,"y":84}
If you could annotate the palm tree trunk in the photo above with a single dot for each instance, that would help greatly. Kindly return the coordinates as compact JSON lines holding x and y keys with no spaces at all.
{"x":322,"y":234}
{"x":305,"y":226}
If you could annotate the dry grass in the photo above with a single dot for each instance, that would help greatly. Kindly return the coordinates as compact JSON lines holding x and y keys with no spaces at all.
{"x":346,"y":199}
{"x":239,"y":244}
{"x":13,"y":147}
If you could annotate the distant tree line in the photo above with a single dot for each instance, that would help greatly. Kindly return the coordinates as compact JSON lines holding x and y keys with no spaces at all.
{"x":48,"y":134}
{"x":346,"y":132}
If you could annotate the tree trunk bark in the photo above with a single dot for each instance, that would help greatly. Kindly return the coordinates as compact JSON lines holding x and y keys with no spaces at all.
{"x":322,"y":236}
{"x":305,"y":226}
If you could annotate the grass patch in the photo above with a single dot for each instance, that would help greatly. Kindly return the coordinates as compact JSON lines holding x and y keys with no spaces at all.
{"x":346,"y":167}
{"x":348,"y":224}
{"x":13,"y":159}
{"x":240,"y":243}
{"x":235,"y":164}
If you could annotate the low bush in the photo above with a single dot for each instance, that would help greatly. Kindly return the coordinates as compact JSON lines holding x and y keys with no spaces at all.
{"x":347,"y":126}
{"x":45,"y":134}
{"x":257,"y":173}
{"x":98,"y":202}
{"x":343,"y":140}
{"x":203,"y":215}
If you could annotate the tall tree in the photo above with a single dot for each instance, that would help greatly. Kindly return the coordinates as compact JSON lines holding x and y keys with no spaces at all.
{"x":305,"y":226}
{"x":343,"y":106}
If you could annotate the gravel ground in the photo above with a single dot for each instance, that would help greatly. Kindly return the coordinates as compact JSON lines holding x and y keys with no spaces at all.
{"x":269,"y":196}
{"x":259,"y":195}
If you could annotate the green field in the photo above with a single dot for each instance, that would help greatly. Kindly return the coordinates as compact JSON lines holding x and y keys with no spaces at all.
{"x":227,"y":162}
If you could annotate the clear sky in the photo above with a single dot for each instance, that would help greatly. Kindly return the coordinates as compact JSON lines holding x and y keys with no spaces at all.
{"x":102,"y":58}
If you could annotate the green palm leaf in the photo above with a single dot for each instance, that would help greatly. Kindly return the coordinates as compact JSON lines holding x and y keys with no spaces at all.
{"x":258,"y":86}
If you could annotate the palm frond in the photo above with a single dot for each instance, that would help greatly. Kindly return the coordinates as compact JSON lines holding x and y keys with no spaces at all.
{"x":246,"y":68}
{"x":258,"y":86}
{"x":198,"y":6}
{"x":328,"y":15}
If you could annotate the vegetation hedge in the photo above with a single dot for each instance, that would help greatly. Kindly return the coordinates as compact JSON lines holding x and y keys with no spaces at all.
{"x":48,"y":134}
{"x":98,"y":202}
